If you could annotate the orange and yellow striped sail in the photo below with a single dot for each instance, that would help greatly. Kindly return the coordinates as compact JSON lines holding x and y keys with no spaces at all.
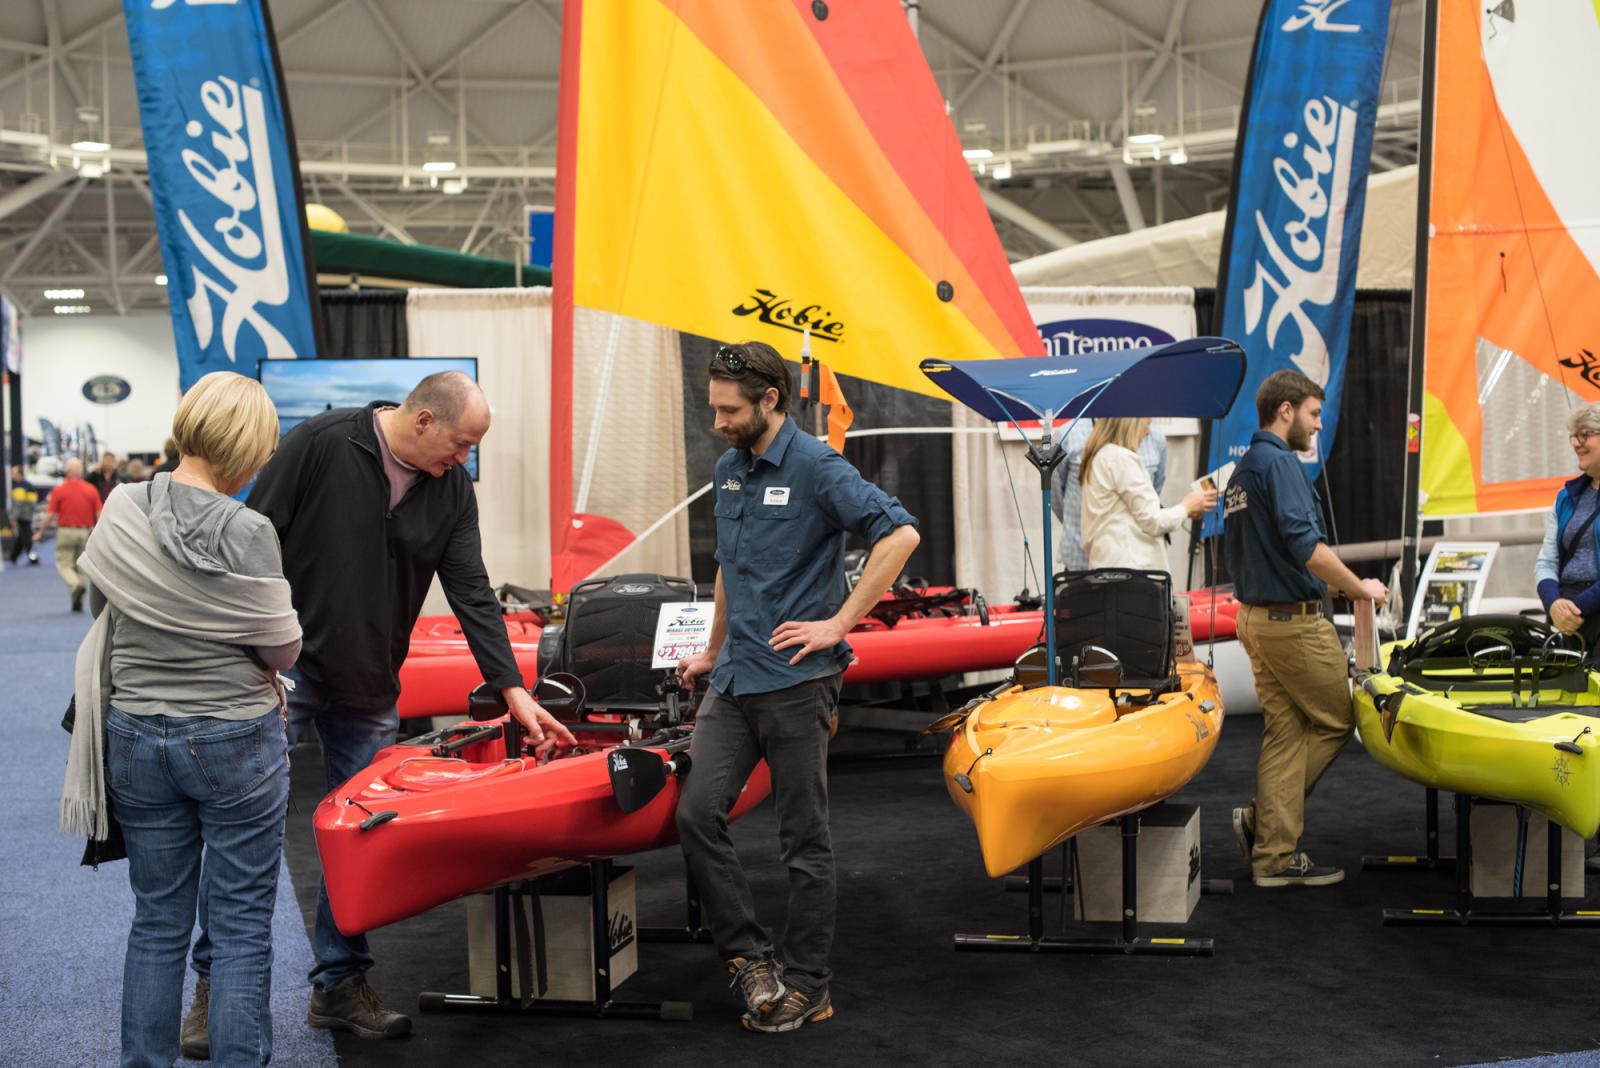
{"x":746,"y":169}
{"x":1513,"y":292}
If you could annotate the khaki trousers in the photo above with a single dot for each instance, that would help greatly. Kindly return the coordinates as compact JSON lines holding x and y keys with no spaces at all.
{"x":1302,"y":681}
{"x":69,"y":546}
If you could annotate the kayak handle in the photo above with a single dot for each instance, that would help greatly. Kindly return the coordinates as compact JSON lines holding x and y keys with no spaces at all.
{"x":374,"y":819}
{"x":964,"y":779}
{"x":1572,"y":746}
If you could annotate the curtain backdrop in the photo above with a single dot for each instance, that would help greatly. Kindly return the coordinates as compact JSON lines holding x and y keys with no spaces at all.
{"x":364,"y":322}
{"x":638,"y":469}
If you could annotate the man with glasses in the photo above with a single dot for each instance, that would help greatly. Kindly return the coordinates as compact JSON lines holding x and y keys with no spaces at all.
{"x":1276,"y":551}
{"x":777,"y":651}
{"x":1567,"y":571}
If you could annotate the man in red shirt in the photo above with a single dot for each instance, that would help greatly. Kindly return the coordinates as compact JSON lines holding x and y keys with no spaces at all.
{"x":73,"y":508}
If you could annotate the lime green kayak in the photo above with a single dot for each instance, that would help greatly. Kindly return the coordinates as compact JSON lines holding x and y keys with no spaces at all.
{"x":1492,"y":706}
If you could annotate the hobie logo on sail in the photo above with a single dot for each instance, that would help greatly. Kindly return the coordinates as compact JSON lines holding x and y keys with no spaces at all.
{"x":1314,"y":177}
{"x":249,"y":269}
{"x":774,"y":310}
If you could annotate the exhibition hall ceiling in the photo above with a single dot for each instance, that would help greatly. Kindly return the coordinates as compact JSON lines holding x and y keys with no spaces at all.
{"x":1051,"y":89}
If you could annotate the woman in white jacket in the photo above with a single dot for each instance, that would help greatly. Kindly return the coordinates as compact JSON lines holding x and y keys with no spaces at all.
{"x":1123,"y":522}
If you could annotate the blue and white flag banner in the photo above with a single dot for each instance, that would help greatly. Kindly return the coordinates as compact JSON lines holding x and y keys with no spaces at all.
{"x":225,"y":181}
{"x":1293,"y":236}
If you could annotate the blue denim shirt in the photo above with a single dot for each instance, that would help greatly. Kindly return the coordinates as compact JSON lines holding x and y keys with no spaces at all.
{"x":1272,"y":524}
{"x":781,"y":521}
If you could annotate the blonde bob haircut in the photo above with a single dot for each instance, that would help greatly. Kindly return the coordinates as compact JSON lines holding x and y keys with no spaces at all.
{"x":1124,"y":432}
{"x":1585,"y":418}
{"x":227,"y":420}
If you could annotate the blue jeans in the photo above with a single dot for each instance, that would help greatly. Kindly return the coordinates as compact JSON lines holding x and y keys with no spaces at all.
{"x":179,"y":784}
{"x":350,"y":738}
{"x":789,"y":729}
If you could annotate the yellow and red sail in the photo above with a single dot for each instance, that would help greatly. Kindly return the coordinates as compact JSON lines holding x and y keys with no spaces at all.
{"x":748,"y":169}
{"x":1513,"y":290}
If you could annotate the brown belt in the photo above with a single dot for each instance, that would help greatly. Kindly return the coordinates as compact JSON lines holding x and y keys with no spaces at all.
{"x":1294,"y":608}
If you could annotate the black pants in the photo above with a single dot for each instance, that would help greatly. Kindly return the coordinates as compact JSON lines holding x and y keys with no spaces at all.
{"x":789,"y":729}
{"x":22,"y":542}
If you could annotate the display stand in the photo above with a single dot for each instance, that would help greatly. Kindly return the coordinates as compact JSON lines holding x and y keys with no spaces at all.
{"x":516,"y":947}
{"x":1127,"y":941}
{"x":1467,"y":913}
{"x":1430,"y":860}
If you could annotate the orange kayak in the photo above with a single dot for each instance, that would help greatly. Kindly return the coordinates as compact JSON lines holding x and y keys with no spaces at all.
{"x":1033,"y":767}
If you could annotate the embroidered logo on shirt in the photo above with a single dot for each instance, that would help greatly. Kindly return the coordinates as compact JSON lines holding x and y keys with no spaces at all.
{"x":776,"y":495}
{"x":732,"y":484}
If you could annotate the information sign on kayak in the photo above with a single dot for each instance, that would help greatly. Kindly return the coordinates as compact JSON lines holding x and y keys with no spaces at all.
{"x":682,"y":629}
{"x":1452,"y":583}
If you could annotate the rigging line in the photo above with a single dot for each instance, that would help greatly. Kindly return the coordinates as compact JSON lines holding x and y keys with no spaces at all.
{"x":1538,"y":281}
{"x":1028,"y":566}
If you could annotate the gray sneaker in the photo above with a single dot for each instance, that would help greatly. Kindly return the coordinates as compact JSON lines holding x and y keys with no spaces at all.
{"x":195,"y":1039}
{"x":1301,"y":872}
{"x":798,"y":1008}
{"x":1244,"y":830}
{"x":759,"y":981}
{"x":352,"y":1005}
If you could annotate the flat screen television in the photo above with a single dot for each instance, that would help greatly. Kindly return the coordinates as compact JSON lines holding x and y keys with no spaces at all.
{"x":302,"y":388}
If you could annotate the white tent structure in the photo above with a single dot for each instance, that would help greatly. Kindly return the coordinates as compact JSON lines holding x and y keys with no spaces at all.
{"x":1186,"y":252}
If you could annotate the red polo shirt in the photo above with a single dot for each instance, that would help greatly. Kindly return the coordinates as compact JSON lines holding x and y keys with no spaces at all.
{"x":74,"y":503}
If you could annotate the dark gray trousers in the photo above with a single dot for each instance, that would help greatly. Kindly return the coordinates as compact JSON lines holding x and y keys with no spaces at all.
{"x":789,"y":729}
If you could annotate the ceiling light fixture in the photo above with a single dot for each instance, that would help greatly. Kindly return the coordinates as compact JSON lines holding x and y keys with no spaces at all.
{"x":72,"y":309}
{"x":63,"y":294}
{"x":161,"y":279}
{"x":977,"y":153}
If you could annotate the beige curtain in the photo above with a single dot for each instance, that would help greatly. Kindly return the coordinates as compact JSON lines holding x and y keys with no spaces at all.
{"x":638,"y":471}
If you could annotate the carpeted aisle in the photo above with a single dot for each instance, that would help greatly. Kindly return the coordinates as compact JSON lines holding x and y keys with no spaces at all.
{"x":65,"y":927}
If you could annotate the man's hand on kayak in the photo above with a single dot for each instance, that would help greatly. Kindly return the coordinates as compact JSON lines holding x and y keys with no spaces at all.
{"x":547,"y":733}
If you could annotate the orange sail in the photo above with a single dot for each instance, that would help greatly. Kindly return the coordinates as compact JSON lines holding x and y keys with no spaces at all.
{"x":752,"y":169}
{"x":1513,"y":289}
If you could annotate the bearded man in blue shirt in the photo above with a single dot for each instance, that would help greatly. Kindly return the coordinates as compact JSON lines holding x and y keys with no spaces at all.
{"x":1282,"y":568}
{"x":777,"y":653}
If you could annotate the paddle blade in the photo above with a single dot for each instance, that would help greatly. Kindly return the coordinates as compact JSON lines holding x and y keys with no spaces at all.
{"x":637,"y":775}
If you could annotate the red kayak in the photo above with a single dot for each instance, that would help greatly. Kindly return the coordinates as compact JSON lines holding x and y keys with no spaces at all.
{"x":1214,"y":614}
{"x":439,"y":670}
{"x":447,"y":814}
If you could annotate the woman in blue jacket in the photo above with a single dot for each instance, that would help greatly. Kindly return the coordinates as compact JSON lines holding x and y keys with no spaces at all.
{"x":1568,"y":568}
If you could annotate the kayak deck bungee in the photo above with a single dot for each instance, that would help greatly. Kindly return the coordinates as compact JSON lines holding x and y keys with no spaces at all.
{"x":1489,"y":706}
{"x":1032,"y":767}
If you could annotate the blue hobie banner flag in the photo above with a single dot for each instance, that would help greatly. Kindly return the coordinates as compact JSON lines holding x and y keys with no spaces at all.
{"x":225,"y":179}
{"x":1288,"y":271}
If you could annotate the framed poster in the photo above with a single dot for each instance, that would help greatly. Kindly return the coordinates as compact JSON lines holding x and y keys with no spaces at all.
{"x":1451,"y":585}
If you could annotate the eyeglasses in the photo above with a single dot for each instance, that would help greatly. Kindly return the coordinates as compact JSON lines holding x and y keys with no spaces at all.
{"x":1580,"y":436}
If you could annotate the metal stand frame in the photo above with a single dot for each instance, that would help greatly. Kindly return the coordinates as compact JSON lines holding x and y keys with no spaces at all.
{"x":510,"y":924}
{"x":1467,"y":914}
{"x":1127,"y":941}
{"x":1430,"y":861}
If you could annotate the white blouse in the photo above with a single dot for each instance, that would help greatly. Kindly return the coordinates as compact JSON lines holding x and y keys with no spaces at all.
{"x":1122,"y":520}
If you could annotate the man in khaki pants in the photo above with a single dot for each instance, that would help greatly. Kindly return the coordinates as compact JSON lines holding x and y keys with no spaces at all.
{"x":1281,"y":568}
{"x":73,"y":507}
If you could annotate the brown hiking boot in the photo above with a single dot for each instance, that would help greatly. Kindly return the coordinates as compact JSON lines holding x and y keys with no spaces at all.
{"x":798,"y":1008}
{"x":195,"y":1039}
{"x":352,"y":1005}
{"x":758,"y":980}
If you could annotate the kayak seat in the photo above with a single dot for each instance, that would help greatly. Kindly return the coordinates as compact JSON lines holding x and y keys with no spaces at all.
{"x":1125,"y":612}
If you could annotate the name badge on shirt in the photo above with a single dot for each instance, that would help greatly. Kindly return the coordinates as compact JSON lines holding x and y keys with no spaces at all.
{"x":776,"y":495}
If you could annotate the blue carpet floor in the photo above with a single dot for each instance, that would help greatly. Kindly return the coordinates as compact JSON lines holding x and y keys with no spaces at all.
{"x":61,"y":943}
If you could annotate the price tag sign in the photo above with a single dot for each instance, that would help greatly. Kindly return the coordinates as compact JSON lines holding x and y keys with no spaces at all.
{"x":682,"y":629}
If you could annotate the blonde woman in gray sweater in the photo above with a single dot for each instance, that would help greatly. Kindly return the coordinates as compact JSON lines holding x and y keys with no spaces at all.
{"x":178,"y":680}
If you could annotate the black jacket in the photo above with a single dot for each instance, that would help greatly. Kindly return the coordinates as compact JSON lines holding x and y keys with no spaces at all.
{"x":359,"y":572}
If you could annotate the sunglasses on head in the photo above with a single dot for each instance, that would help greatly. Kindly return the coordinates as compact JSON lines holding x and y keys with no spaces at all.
{"x":737,"y":363}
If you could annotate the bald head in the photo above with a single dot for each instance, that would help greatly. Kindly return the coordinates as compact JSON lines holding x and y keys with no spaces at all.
{"x":439,"y":423}
{"x":74,"y":468}
{"x":449,"y":395}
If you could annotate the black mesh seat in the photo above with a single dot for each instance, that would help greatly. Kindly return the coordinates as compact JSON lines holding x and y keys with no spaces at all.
{"x":1124,"y":611}
{"x":609,"y":638}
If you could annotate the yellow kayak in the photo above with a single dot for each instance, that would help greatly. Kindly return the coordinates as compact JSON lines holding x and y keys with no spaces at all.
{"x":1033,"y":767}
{"x":1491,"y":706}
